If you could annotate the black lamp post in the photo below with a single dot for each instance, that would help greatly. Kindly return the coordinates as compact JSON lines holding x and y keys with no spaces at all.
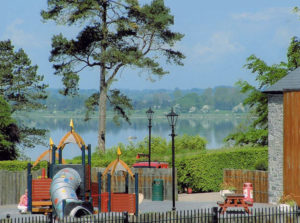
{"x":172,"y":119}
{"x":149,"y":116}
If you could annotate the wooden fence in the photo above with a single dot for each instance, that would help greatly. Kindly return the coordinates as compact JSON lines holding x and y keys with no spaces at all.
{"x":259,"y":180}
{"x":13,"y":184}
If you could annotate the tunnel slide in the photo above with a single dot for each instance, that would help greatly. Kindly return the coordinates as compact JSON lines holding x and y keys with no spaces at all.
{"x":63,"y":187}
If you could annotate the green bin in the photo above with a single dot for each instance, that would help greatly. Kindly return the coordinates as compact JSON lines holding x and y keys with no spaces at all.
{"x":157,"y":190}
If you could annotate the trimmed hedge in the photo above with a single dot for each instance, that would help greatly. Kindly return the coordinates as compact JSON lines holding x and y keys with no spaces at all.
{"x":204,"y":172}
{"x":16,"y":165}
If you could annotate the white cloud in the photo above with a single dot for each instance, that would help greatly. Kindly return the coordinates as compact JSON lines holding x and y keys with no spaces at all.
{"x":265,"y":15}
{"x":18,"y":36}
{"x":218,"y":45}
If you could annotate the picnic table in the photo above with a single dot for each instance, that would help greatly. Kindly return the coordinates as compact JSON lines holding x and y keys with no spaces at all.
{"x":234,"y":200}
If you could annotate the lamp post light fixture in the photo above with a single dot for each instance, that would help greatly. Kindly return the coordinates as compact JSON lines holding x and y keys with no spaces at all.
{"x":149,"y":116}
{"x":172,"y":119}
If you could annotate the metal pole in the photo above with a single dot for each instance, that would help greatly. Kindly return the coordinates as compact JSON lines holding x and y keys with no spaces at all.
{"x":84,"y":171}
{"x":60,"y":156}
{"x":149,"y":154}
{"x":29,"y":187}
{"x":173,"y":170}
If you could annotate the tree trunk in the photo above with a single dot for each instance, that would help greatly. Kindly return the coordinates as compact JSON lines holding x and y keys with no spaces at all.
{"x":103,"y":84}
{"x":102,"y":118}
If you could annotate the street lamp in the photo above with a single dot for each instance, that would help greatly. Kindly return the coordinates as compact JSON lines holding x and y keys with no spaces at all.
{"x":172,"y":119}
{"x":149,"y":116}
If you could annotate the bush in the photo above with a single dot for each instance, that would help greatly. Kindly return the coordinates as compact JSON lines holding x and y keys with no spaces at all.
{"x":187,"y":142}
{"x":204,"y":172}
{"x":17,"y":165}
{"x":261,"y":164}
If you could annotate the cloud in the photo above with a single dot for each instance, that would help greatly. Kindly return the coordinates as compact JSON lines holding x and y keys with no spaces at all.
{"x":265,"y":15}
{"x":18,"y":36}
{"x":218,"y":45}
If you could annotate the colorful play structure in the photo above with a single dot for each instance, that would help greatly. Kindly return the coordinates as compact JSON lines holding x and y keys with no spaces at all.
{"x":68,"y":190}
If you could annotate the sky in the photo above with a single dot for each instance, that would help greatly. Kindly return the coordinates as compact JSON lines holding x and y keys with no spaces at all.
{"x":219,"y":36}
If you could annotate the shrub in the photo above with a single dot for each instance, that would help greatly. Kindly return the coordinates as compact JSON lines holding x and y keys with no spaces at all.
{"x":187,"y":142}
{"x":17,"y":165}
{"x":204,"y":172}
{"x":261,"y":164}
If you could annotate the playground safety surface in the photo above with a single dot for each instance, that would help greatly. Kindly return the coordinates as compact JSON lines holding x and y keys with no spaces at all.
{"x":185,"y":202}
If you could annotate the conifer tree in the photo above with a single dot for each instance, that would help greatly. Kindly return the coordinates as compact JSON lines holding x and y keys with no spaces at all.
{"x":115,"y":34}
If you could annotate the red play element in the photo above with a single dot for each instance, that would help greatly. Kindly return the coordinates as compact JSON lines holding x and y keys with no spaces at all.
{"x":248,"y":192}
{"x":41,"y":189}
{"x":56,"y":200}
{"x":152,"y":165}
{"x":120,"y":202}
{"x":43,"y":173}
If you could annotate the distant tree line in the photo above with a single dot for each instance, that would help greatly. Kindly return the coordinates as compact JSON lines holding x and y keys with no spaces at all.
{"x":185,"y":101}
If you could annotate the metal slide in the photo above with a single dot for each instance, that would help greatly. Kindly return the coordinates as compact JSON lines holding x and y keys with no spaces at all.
{"x":63,"y":187}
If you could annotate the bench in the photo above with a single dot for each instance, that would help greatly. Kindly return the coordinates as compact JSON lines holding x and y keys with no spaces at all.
{"x":234,"y":200}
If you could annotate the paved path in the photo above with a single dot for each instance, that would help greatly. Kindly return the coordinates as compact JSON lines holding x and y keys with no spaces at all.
{"x":185,"y":202}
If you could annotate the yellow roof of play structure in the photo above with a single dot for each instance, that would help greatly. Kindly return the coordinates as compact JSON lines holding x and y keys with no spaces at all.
{"x":117,"y":165}
{"x":71,"y":137}
{"x":47,"y":155}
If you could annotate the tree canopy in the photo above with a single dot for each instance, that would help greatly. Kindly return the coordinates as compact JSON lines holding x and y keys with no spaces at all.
{"x":22,"y":88}
{"x":257,"y":132}
{"x":9,"y":134}
{"x":115,"y":35}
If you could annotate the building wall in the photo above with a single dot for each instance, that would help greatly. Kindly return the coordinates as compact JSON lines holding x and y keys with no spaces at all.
{"x":275,"y":138}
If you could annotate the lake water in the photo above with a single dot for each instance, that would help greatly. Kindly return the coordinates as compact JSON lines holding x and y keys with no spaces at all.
{"x":214,"y":129}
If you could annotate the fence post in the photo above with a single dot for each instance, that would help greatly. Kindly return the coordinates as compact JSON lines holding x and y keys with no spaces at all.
{"x":214,"y":211}
{"x":125,"y":217}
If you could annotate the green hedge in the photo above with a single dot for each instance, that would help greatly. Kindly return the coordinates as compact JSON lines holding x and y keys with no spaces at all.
{"x":204,"y":172}
{"x":16,"y":165}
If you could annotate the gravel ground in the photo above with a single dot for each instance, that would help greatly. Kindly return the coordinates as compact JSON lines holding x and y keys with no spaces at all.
{"x":185,"y":202}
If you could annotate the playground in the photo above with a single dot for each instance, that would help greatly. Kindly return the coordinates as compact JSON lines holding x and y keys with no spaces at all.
{"x":65,"y":190}
{"x":185,"y":202}
{"x":70,"y":190}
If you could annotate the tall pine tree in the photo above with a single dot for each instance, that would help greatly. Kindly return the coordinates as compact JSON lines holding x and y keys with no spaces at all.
{"x":116,"y":34}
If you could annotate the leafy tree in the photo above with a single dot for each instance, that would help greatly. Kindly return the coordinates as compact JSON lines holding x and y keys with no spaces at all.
{"x":257,"y":131}
{"x":9,"y":134}
{"x":115,"y":35}
{"x":188,"y":101}
{"x":21,"y":87}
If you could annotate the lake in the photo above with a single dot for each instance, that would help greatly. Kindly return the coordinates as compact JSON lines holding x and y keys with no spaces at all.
{"x":213,"y":128}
